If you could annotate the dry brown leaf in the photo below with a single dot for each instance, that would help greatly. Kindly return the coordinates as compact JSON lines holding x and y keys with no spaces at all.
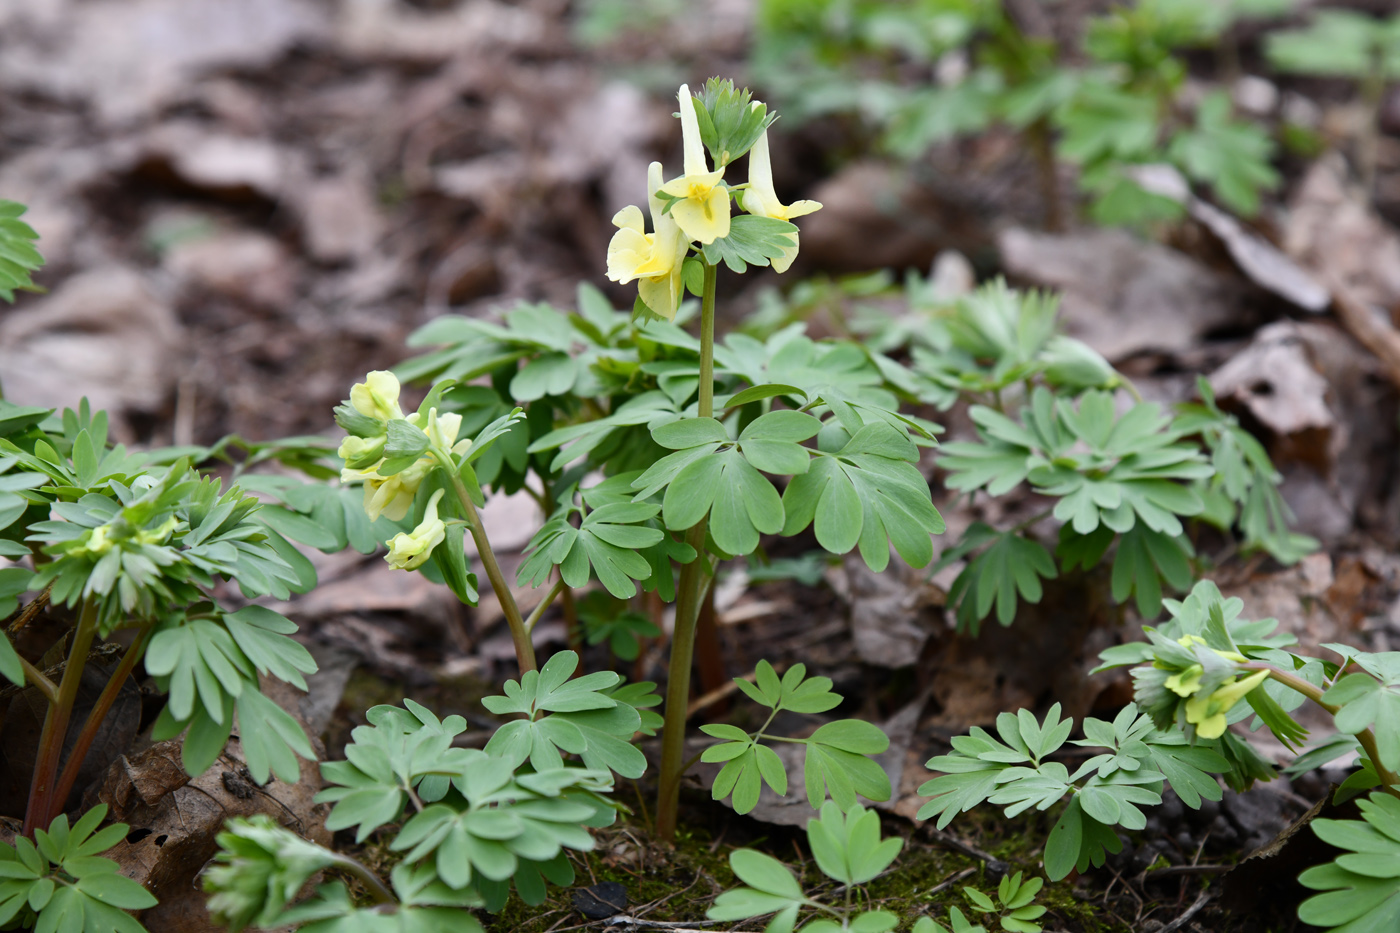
{"x":1123,"y":295}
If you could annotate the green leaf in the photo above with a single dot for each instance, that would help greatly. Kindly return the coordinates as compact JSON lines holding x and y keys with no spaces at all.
{"x":1369,"y":702}
{"x":1362,"y":886}
{"x":1231,"y":156}
{"x":1008,"y":566}
{"x":752,"y":240}
{"x":18,"y":257}
{"x":1144,"y":559}
{"x":836,"y":763}
{"x":867,"y":493}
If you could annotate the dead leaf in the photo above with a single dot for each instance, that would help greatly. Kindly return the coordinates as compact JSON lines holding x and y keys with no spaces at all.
{"x":396,"y":30}
{"x":1332,"y":229}
{"x":249,"y":266}
{"x":131,"y":58}
{"x":1265,"y":264}
{"x":339,"y":217}
{"x":890,"y":621}
{"x":1275,"y":381}
{"x":1121,"y":294}
{"x":174,"y":819}
{"x":23,"y":723}
{"x":103,"y":335}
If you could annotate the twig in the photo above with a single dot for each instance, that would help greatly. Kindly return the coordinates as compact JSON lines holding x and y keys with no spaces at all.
{"x":957,"y":845}
{"x":951,"y":880}
{"x":717,"y":694}
{"x":1186,"y":870}
{"x":1191,"y":911}
{"x":623,"y":922}
{"x":25,"y":614}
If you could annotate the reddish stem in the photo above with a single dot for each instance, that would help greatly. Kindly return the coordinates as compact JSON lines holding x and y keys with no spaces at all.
{"x":95,"y":719}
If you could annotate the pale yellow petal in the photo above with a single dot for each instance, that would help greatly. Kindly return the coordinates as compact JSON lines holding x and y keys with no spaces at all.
{"x":755,"y":203}
{"x":784,"y":262}
{"x":692,"y":186}
{"x":661,"y":294}
{"x":378,"y":396}
{"x":802,"y":208}
{"x":630,"y":218}
{"x":704,"y":220}
{"x":627,"y":251}
{"x":692,"y":145}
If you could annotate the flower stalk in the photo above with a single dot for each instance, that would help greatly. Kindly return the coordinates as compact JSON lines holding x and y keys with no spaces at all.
{"x":43,"y":801}
{"x":99,"y":712}
{"x":694,"y":582}
{"x":519,"y":633}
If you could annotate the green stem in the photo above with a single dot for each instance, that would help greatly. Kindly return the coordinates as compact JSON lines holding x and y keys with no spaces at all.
{"x":36,"y":678}
{"x":694,"y":582}
{"x":1367,"y":737}
{"x":545,"y":603}
{"x":41,"y":797}
{"x":519,"y":634}
{"x":95,"y":718}
{"x":376,"y":888}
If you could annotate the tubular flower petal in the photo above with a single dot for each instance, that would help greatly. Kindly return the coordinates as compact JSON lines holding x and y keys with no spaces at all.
{"x":1186,"y":641}
{"x":1186,"y":682}
{"x":390,"y":496}
{"x":760,"y":198}
{"x":702,"y":208}
{"x":378,"y":396}
{"x":442,"y":429}
{"x":408,"y":551}
{"x":1207,"y":713}
{"x":361,"y":451}
{"x":653,"y":260}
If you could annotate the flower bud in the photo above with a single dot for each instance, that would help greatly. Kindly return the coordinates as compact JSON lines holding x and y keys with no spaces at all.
{"x":378,"y":396}
{"x":409,"y":551}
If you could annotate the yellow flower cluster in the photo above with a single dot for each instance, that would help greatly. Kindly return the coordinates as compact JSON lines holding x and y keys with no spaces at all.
{"x":1208,"y":713}
{"x":699,"y":213}
{"x":392,"y":496}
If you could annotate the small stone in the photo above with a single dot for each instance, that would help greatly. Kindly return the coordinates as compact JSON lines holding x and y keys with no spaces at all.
{"x":601,"y":901}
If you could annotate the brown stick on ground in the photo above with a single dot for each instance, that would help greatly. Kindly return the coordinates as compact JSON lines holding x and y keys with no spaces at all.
{"x":1368,"y":327}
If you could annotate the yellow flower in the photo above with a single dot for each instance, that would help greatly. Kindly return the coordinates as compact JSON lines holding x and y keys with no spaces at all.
{"x":94,"y":544}
{"x":760,"y":198}
{"x":357,"y":451}
{"x":160,"y":534}
{"x":409,"y":551}
{"x":442,"y":431}
{"x":702,"y":211}
{"x":378,"y":396}
{"x":1186,"y":641}
{"x":1207,"y":713}
{"x":390,"y":496}
{"x":1186,"y":682}
{"x":655,"y":260}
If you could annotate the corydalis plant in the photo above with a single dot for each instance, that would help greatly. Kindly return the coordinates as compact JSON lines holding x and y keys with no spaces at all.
{"x":682,"y":428}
